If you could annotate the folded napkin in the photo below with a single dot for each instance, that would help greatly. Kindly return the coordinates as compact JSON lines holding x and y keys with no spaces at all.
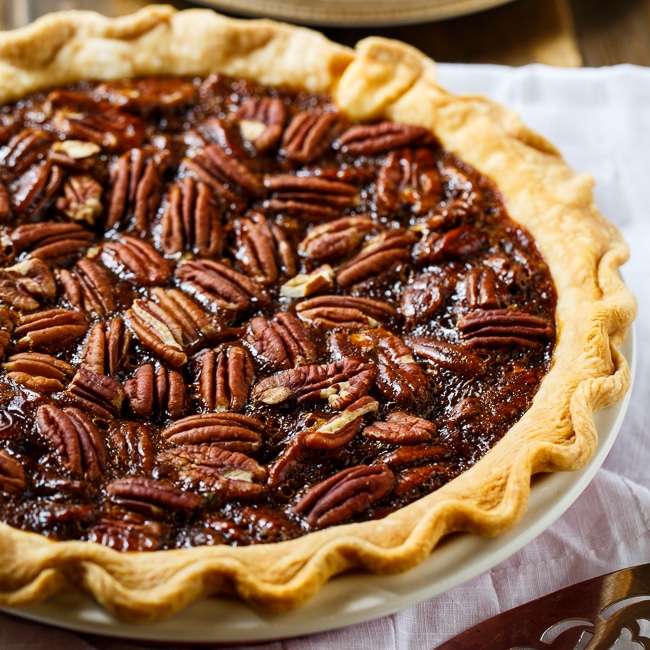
{"x":600,"y":121}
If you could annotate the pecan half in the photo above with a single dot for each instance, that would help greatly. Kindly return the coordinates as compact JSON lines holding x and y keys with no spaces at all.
{"x":89,"y":288}
{"x":412,"y":479}
{"x":118,"y":343}
{"x":421,"y":299}
{"x":341,"y":428}
{"x":345,"y":312}
{"x":336,"y":239}
{"x":255,"y":248}
{"x":40,"y":372}
{"x":12,"y":474}
{"x":98,"y":394}
{"x":192,"y":320}
{"x":81,"y":117}
{"x":231,"y":431}
{"x":49,"y":330}
{"x":26,"y":283}
{"x":372,"y":139}
{"x":226,"y":175}
{"x":171,"y":325}
{"x":131,"y":446}
{"x":150,"y":497}
{"x":225,"y":378}
{"x":503,"y":328}
{"x":382,"y":254}
{"x":81,"y":199}
{"x":448,"y":356}
{"x":409,"y":178}
{"x":482,"y":289}
{"x":261,"y":121}
{"x":156,"y":390}
{"x":344,"y":495}
{"x":219,"y":285}
{"x":281,"y":343}
{"x":400,"y":378}
{"x":128,"y":534}
{"x":340,"y":382}
{"x":166,"y":339}
{"x":136,"y":261}
{"x":308,"y":135}
{"x":293,"y":455}
{"x":148,"y":94}
{"x":105,"y":351}
{"x":75,"y":438}
{"x":285,"y":251}
{"x":191,"y":220}
{"x":455,"y":244}
{"x":467,"y":411}
{"x":36,"y":189}
{"x":402,"y":429}
{"x":24,"y":149}
{"x":57,"y":487}
{"x":214,"y":469}
{"x":418,"y":454}
{"x":135,"y":195}
{"x":56,"y":242}
{"x":309,"y":197}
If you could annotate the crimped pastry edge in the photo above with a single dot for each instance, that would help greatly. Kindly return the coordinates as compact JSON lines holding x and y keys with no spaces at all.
{"x":380,"y":78}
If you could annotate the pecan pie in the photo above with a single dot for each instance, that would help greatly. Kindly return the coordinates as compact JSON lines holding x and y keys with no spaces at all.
{"x":267,"y":306}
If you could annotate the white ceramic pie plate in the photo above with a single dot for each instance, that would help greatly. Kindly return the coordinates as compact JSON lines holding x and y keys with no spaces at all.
{"x":352,"y":598}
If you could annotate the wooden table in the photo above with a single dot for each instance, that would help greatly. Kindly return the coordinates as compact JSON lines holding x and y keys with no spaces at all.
{"x":555,"y":32}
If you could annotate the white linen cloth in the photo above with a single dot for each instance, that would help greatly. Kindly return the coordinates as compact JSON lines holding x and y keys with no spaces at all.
{"x":600,"y":120}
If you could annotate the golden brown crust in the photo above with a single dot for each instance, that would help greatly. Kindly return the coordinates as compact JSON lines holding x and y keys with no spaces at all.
{"x":77,"y":44}
{"x":379,"y":79}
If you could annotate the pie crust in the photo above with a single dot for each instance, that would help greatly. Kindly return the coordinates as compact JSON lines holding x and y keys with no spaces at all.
{"x":379,"y":79}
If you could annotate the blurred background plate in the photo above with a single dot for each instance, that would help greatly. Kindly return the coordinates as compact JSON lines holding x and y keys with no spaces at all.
{"x":354,"y":13}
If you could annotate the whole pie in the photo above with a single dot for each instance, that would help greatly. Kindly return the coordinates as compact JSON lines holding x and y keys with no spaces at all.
{"x":272,"y":309}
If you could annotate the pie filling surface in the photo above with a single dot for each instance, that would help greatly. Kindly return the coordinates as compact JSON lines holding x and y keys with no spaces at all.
{"x":230,"y":315}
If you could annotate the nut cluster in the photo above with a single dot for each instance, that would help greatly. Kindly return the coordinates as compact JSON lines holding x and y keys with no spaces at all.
{"x":230,"y":315}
